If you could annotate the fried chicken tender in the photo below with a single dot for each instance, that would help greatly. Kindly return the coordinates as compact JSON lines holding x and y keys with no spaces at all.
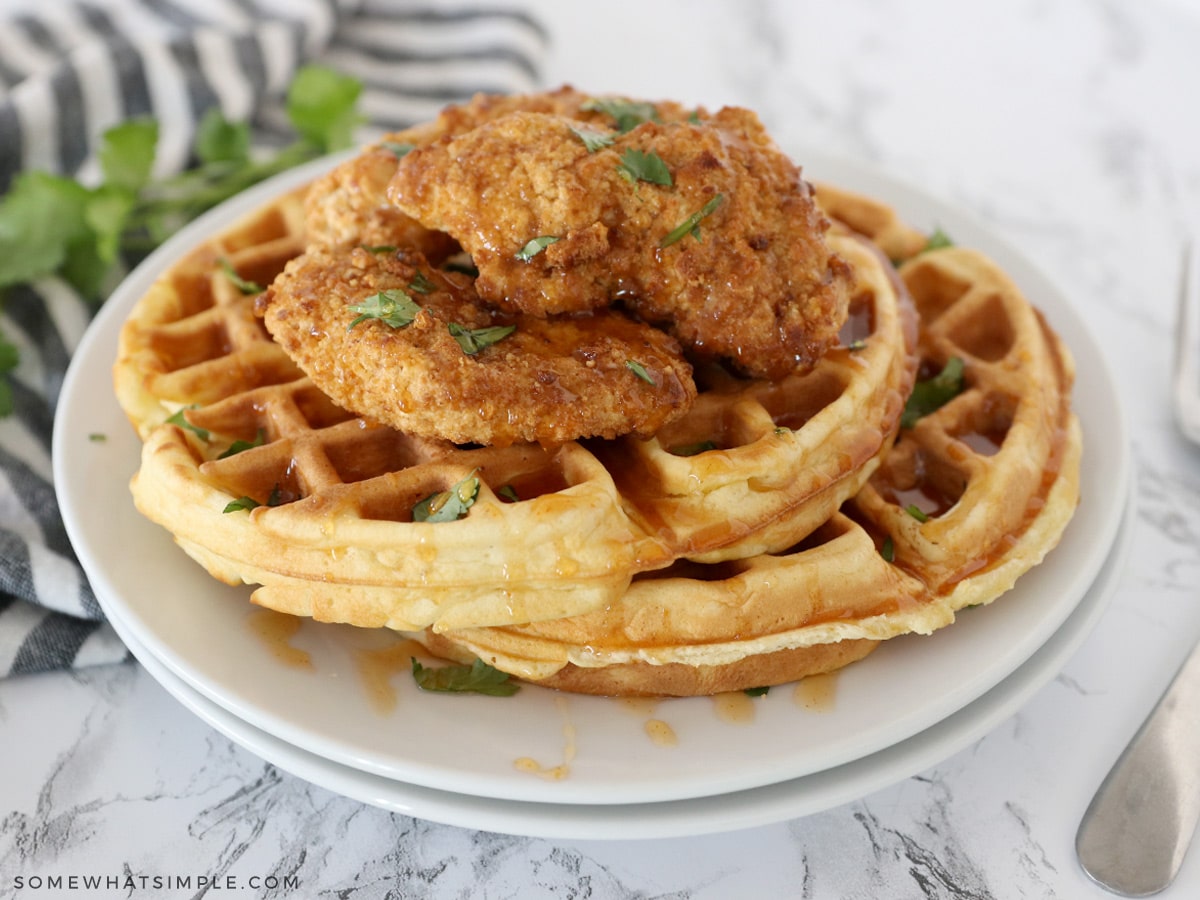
{"x":431,"y":362}
{"x":349,"y":204}
{"x":698,"y":224}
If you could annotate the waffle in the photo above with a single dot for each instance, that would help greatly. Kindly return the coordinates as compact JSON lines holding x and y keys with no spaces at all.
{"x":329,"y":529}
{"x":970,"y":497}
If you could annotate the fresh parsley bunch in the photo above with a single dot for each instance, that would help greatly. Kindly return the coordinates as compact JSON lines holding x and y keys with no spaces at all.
{"x":54,"y":225}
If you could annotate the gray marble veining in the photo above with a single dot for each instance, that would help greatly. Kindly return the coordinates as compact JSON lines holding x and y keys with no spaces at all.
{"x":1067,"y":126}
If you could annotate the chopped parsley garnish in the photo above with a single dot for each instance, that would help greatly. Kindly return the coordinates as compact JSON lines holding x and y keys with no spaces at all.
{"x":638,"y":166}
{"x":242,"y":284}
{"x":535,"y":246}
{"x":448,"y":506}
{"x":421,"y":284}
{"x":472,"y":340}
{"x":693,"y":449}
{"x":380,"y":248}
{"x":97,"y":437}
{"x":691,"y":225}
{"x":640,"y":371}
{"x":757,"y":691}
{"x":242,"y":446}
{"x":178,"y":419}
{"x":246,"y":503}
{"x":508,"y":492}
{"x":477,"y":678}
{"x":916,"y":512}
{"x":394,"y":308}
{"x":594,"y":140}
{"x":933,"y":393}
{"x":888,"y":550}
{"x":628,"y":114}
{"x":937,"y":241}
{"x":399,"y":149}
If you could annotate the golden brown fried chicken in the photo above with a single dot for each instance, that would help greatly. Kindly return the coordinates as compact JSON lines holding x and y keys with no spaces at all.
{"x":700,"y":225}
{"x":394,"y":340}
{"x":349,"y":204}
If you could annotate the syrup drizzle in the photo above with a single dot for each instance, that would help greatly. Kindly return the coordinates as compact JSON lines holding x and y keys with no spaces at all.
{"x":275,"y":630}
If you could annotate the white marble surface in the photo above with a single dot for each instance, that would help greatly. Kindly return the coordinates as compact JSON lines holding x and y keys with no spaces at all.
{"x":1072,"y":128}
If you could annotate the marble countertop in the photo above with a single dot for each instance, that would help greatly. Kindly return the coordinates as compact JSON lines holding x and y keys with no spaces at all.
{"x":1069,"y":127}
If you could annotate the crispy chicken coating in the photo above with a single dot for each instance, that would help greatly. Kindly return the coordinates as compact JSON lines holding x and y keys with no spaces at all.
{"x":699,"y":224}
{"x":349,"y":204}
{"x":391,"y":338}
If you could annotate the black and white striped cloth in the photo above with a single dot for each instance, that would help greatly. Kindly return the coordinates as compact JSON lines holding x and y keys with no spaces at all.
{"x":68,"y":71}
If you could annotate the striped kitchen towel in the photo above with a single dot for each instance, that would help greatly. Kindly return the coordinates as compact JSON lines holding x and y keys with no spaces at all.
{"x":70,"y":70}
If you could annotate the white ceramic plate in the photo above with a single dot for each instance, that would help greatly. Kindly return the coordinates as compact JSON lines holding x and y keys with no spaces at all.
{"x":200,"y":630}
{"x":674,"y":818}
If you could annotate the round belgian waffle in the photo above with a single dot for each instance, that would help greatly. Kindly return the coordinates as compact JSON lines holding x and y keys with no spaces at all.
{"x":316,"y":504}
{"x":972,"y":495}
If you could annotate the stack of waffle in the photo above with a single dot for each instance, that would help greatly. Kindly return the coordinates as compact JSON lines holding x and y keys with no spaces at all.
{"x":771,"y":529}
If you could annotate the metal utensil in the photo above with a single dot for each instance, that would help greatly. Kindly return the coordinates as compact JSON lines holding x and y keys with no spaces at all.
{"x":1137,"y":830}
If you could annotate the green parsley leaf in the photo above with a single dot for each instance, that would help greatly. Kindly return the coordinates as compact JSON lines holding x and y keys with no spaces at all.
{"x":628,"y":114}
{"x":594,"y":140}
{"x":220,"y":141}
{"x":916,"y":512}
{"x":933,"y":393}
{"x":182,"y":422}
{"x":508,"y":492}
{"x":937,"y":241}
{"x":638,"y":166}
{"x":41,"y":216}
{"x":477,"y":678}
{"x":448,"y":506}
{"x":693,"y":449}
{"x":321,"y":106}
{"x":535,"y":246}
{"x":106,"y":211}
{"x":472,"y":340}
{"x":640,"y":371}
{"x":97,"y":437}
{"x":691,"y":225}
{"x":888,"y":550}
{"x":241,"y":503}
{"x":400,"y":149}
{"x":380,"y":248}
{"x":242,"y":446}
{"x":757,"y":691}
{"x":126,"y":153}
{"x":421,"y":284}
{"x":394,"y":308}
{"x":246,"y":287}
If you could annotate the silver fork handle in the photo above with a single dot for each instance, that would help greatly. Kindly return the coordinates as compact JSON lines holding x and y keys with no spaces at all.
{"x":1186,"y":386}
{"x":1136,"y":832}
